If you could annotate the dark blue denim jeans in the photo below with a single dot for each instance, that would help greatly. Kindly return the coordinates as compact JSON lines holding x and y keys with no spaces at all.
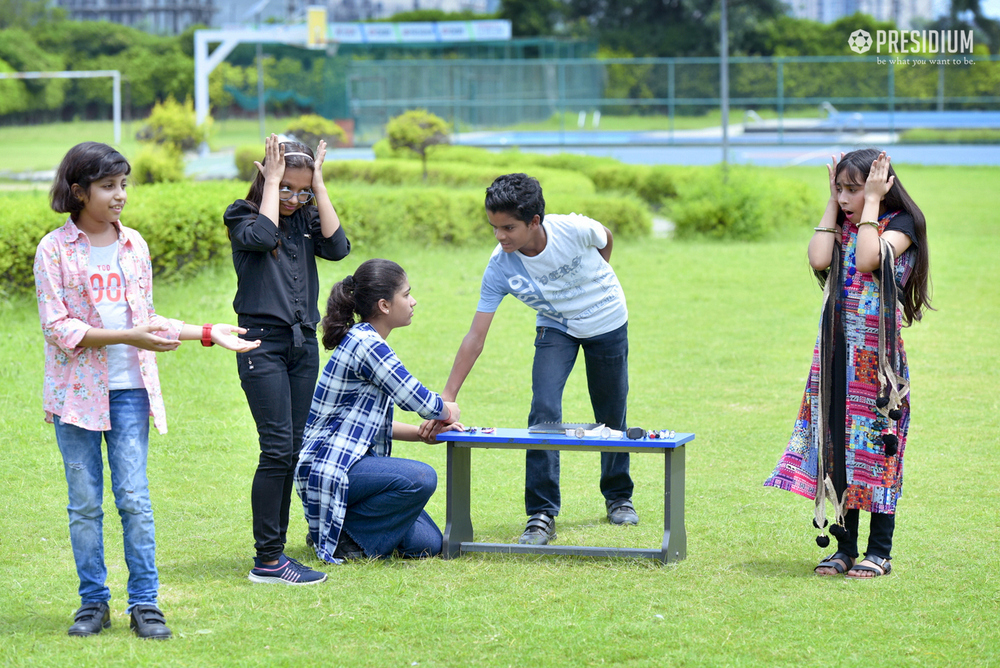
{"x":385,"y":507}
{"x":606,"y":357}
{"x":278,"y":379}
{"x":128,"y":445}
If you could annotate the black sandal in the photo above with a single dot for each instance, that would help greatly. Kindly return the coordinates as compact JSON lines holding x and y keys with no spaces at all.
{"x":838,"y":561}
{"x":884,"y":568}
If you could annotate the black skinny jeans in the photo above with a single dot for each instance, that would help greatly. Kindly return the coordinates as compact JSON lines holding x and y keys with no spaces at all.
{"x":879,"y":536}
{"x":278,"y":379}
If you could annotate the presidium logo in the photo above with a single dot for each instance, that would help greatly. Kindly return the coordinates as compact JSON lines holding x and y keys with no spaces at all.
{"x":912,"y":41}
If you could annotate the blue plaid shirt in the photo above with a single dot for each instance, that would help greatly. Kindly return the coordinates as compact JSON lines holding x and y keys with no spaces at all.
{"x":351,"y":413}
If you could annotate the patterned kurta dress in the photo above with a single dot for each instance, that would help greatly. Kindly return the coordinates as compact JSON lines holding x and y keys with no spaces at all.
{"x":874,"y":480}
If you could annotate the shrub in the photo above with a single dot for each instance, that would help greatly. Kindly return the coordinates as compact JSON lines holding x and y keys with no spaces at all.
{"x":742,"y":205}
{"x":158,"y":164}
{"x":174,"y":124}
{"x":310,"y":128}
{"x":245,"y":156}
{"x":416,"y":130}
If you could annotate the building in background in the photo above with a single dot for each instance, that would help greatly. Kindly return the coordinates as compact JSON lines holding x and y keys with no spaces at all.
{"x":157,"y":16}
{"x":905,"y":14}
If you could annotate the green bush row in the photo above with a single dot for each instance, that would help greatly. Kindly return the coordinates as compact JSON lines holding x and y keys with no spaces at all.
{"x":453,"y":174}
{"x":652,"y":183}
{"x":935,"y":136}
{"x":182,"y":222}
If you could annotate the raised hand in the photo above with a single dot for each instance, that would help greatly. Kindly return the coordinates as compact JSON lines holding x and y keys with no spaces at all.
{"x":879,"y":180}
{"x":274,"y":160}
{"x":317,"y":180}
{"x":832,"y":169}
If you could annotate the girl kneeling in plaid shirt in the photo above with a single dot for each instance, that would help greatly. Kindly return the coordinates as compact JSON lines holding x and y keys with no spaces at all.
{"x":359,"y":501}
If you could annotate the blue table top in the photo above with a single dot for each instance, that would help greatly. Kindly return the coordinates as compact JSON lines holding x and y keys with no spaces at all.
{"x":521,"y":436}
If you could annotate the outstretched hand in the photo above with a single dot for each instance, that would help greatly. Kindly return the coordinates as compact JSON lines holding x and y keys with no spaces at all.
{"x":226,"y":336}
{"x":274,"y":159}
{"x":879,"y":180}
{"x":143,"y":336}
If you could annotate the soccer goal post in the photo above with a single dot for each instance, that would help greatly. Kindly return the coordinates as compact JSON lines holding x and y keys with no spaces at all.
{"x":116,"y":78}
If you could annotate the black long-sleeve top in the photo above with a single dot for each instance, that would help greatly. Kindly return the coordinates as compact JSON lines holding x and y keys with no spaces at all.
{"x":277,"y":283}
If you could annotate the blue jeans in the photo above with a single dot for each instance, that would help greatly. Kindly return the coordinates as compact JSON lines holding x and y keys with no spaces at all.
{"x":385,"y":507}
{"x":128,"y":445}
{"x":279,"y":379}
{"x":606,"y":357}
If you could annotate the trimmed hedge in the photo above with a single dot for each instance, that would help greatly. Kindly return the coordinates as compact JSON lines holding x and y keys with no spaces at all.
{"x":182,"y":222}
{"x":652,"y":183}
{"x":454,"y":174}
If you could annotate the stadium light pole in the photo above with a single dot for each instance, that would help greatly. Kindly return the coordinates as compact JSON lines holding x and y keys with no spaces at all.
{"x":724,"y":82}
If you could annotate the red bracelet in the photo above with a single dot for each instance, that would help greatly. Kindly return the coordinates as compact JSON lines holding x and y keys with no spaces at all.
{"x":206,"y":336}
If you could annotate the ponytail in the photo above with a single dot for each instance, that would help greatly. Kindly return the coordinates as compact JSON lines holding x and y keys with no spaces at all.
{"x":359,"y":294}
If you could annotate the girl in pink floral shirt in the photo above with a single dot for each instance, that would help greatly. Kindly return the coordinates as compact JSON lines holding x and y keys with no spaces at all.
{"x":93,"y":279}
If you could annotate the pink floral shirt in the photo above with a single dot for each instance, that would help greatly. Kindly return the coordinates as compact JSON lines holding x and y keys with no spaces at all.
{"x":76,"y":377}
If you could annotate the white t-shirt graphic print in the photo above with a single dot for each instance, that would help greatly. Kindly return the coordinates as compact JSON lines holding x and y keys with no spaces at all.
{"x":569,"y":284}
{"x":108,"y":289}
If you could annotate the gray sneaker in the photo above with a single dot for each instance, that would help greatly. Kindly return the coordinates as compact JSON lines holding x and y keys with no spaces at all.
{"x":540,"y":530}
{"x":622,"y":512}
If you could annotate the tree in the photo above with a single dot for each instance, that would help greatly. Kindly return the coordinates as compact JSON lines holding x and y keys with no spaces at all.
{"x":531,"y":18}
{"x":672,"y":27}
{"x":417,"y":130}
{"x":26,"y":13}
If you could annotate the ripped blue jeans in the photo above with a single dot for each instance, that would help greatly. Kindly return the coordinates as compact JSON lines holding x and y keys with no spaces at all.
{"x":128,"y":444}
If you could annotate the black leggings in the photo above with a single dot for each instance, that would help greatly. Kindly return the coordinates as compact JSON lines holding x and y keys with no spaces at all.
{"x":879,"y":535}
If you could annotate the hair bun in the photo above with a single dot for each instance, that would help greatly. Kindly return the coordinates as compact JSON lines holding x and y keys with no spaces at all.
{"x":349,"y":282}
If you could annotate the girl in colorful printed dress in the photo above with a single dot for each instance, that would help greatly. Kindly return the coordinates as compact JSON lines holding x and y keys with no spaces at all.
{"x":277,"y":232}
{"x":359,"y":501}
{"x":93,"y":280}
{"x":870,"y":254}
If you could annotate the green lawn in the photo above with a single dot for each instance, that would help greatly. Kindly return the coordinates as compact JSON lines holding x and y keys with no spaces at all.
{"x":721,"y":338}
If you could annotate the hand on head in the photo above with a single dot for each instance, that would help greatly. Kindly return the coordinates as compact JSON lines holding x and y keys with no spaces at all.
{"x":318,"y":165}
{"x":832,"y":169}
{"x":879,"y":181}
{"x":274,"y":159}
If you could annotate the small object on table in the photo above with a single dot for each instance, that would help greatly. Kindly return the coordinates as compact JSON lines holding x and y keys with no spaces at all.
{"x":635,"y":433}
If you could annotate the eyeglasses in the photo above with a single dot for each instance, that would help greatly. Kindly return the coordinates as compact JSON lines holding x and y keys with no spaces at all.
{"x":301,"y":196}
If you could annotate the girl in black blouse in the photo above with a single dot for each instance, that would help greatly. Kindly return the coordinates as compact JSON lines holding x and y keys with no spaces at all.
{"x":285,"y":222}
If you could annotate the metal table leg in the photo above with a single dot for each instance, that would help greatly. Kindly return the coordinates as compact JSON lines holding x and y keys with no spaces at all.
{"x":458,"y":525}
{"x":674,"y":533}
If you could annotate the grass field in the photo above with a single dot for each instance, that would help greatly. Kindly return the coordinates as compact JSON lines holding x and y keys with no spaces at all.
{"x":721,"y":337}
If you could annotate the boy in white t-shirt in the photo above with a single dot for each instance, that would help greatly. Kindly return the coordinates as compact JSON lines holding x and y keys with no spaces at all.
{"x":560,"y":268}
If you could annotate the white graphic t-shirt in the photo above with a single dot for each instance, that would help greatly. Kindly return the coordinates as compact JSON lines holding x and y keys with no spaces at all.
{"x":570,"y":285}
{"x":108,"y":288}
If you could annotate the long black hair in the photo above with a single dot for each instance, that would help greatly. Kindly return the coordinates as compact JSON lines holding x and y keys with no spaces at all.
{"x":359,"y":294}
{"x":916,"y":292}
{"x":84,"y":163}
{"x":307,"y":161}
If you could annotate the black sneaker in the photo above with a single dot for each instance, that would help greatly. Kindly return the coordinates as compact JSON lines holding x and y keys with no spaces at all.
{"x":347,"y":548}
{"x":541,"y":528}
{"x":148,"y":622}
{"x":90,"y":619}
{"x":622,"y":512}
{"x":286,"y":571}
